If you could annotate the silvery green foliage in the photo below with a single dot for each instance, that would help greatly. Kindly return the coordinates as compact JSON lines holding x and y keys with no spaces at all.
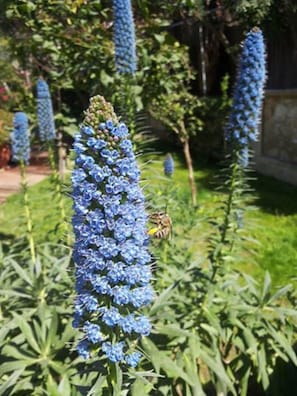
{"x":124,"y":37}
{"x":110,"y":252}
{"x":20,"y":141}
{"x":35,"y":322}
{"x":46,"y":123}
{"x":248,"y":94}
{"x":168,"y":165}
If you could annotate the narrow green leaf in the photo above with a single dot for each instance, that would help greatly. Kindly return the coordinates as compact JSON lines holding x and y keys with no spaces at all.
{"x":283,"y":342}
{"x":162,"y":299}
{"x":64,"y":387}
{"x":13,"y":293}
{"x":192,"y":372}
{"x":216,"y":366}
{"x":17,"y":354}
{"x":172,"y":369}
{"x":209,"y":329}
{"x":97,"y":387}
{"x":22,"y":273}
{"x":244,"y":382}
{"x":52,"y":333}
{"x":152,"y":352}
{"x":27,"y":332}
{"x":172,"y":330}
{"x":52,"y":387}
{"x":3,"y":333}
{"x":280,"y":293}
{"x":266,"y":287}
{"x":57,"y":366}
{"x":12,"y":366}
{"x":262,"y":367}
{"x":10,"y":382}
{"x":141,"y":387}
{"x":250,"y":340}
{"x":23,"y":384}
{"x":117,"y":387}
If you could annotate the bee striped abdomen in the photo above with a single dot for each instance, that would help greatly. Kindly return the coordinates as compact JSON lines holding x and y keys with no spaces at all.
{"x":163,"y":225}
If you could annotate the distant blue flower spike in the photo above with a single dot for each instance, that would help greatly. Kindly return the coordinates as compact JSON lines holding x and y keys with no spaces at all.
{"x":168,"y":165}
{"x":113,"y":264}
{"x":20,"y":139}
{"x":248,"y":94}
{"x":124,"y":37}
{"x":46,"y":123}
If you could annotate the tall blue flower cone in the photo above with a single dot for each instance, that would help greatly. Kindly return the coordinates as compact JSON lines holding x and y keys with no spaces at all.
{"x":248,"y":95}
{"x":46,"y":123}
{"x":168,"y":165}
{"x":20,"y":138}
{"x":112,"y":260}
{"x":124,"y":37}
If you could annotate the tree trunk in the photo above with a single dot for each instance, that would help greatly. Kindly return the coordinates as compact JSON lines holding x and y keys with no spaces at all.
{"x":186,"y":149}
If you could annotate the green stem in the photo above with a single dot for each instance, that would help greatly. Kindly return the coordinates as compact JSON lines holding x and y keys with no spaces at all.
{"x":167,"y":191}
{"x":236,"y":176}
{"x":58,"y":187}
{"x":24,"y":186}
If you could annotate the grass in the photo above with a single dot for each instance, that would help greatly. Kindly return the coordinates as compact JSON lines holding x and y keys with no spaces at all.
{"x":277,"y":228}
{"x":274,"y":222}
{"x":45,"y":214}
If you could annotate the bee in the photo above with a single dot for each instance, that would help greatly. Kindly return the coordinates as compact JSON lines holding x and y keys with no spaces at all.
{"x":163,"y":224}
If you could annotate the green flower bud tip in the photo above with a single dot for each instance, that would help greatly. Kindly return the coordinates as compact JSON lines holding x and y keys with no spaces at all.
{"x":99,"y":111}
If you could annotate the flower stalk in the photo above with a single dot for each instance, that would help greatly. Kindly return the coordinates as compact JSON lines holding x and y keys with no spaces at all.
{"x":168,"y":165}
{"x":27,"y":210}
{"x":45,"y":114}
{"x":58,"y":187}
{"x":242,"y":126}
{"x":241,"y":130}
{"x":21,"y":153}
{"x":124,"y":37}
{"x":125,"y":61}
{"x":113,"y":270}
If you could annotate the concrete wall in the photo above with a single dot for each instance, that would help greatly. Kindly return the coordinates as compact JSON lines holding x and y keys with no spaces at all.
{"x":276,"y":150}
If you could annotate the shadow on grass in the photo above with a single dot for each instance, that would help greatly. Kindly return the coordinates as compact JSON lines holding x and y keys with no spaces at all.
{"x":274,"y":196}
{"x":271,"y":195}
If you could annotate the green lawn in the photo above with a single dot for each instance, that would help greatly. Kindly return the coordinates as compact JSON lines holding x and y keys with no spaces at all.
{"x":44,"y":209}
{"x":277,"y":228}
{"x":273,"y":224}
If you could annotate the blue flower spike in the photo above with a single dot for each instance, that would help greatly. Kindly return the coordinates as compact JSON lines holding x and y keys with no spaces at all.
{"x":248,"y":95}
{"x":46,"y":123}
{"x":168,"y":165}
{"x":113,"y":264}
{"x":20,"y":138}
{"x":124,"y":37}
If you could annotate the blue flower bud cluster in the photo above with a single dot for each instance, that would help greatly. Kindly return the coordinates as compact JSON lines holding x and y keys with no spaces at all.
{"x":20,"y":140}
{"x":124,"y":37}
{"x":113,"y":271}
{"x":168,"y":165}
{"x":46,"y":123}
{"x":248,"y":94}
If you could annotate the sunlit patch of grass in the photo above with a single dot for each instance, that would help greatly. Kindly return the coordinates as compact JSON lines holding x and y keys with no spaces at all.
{"x":45,"y":214}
